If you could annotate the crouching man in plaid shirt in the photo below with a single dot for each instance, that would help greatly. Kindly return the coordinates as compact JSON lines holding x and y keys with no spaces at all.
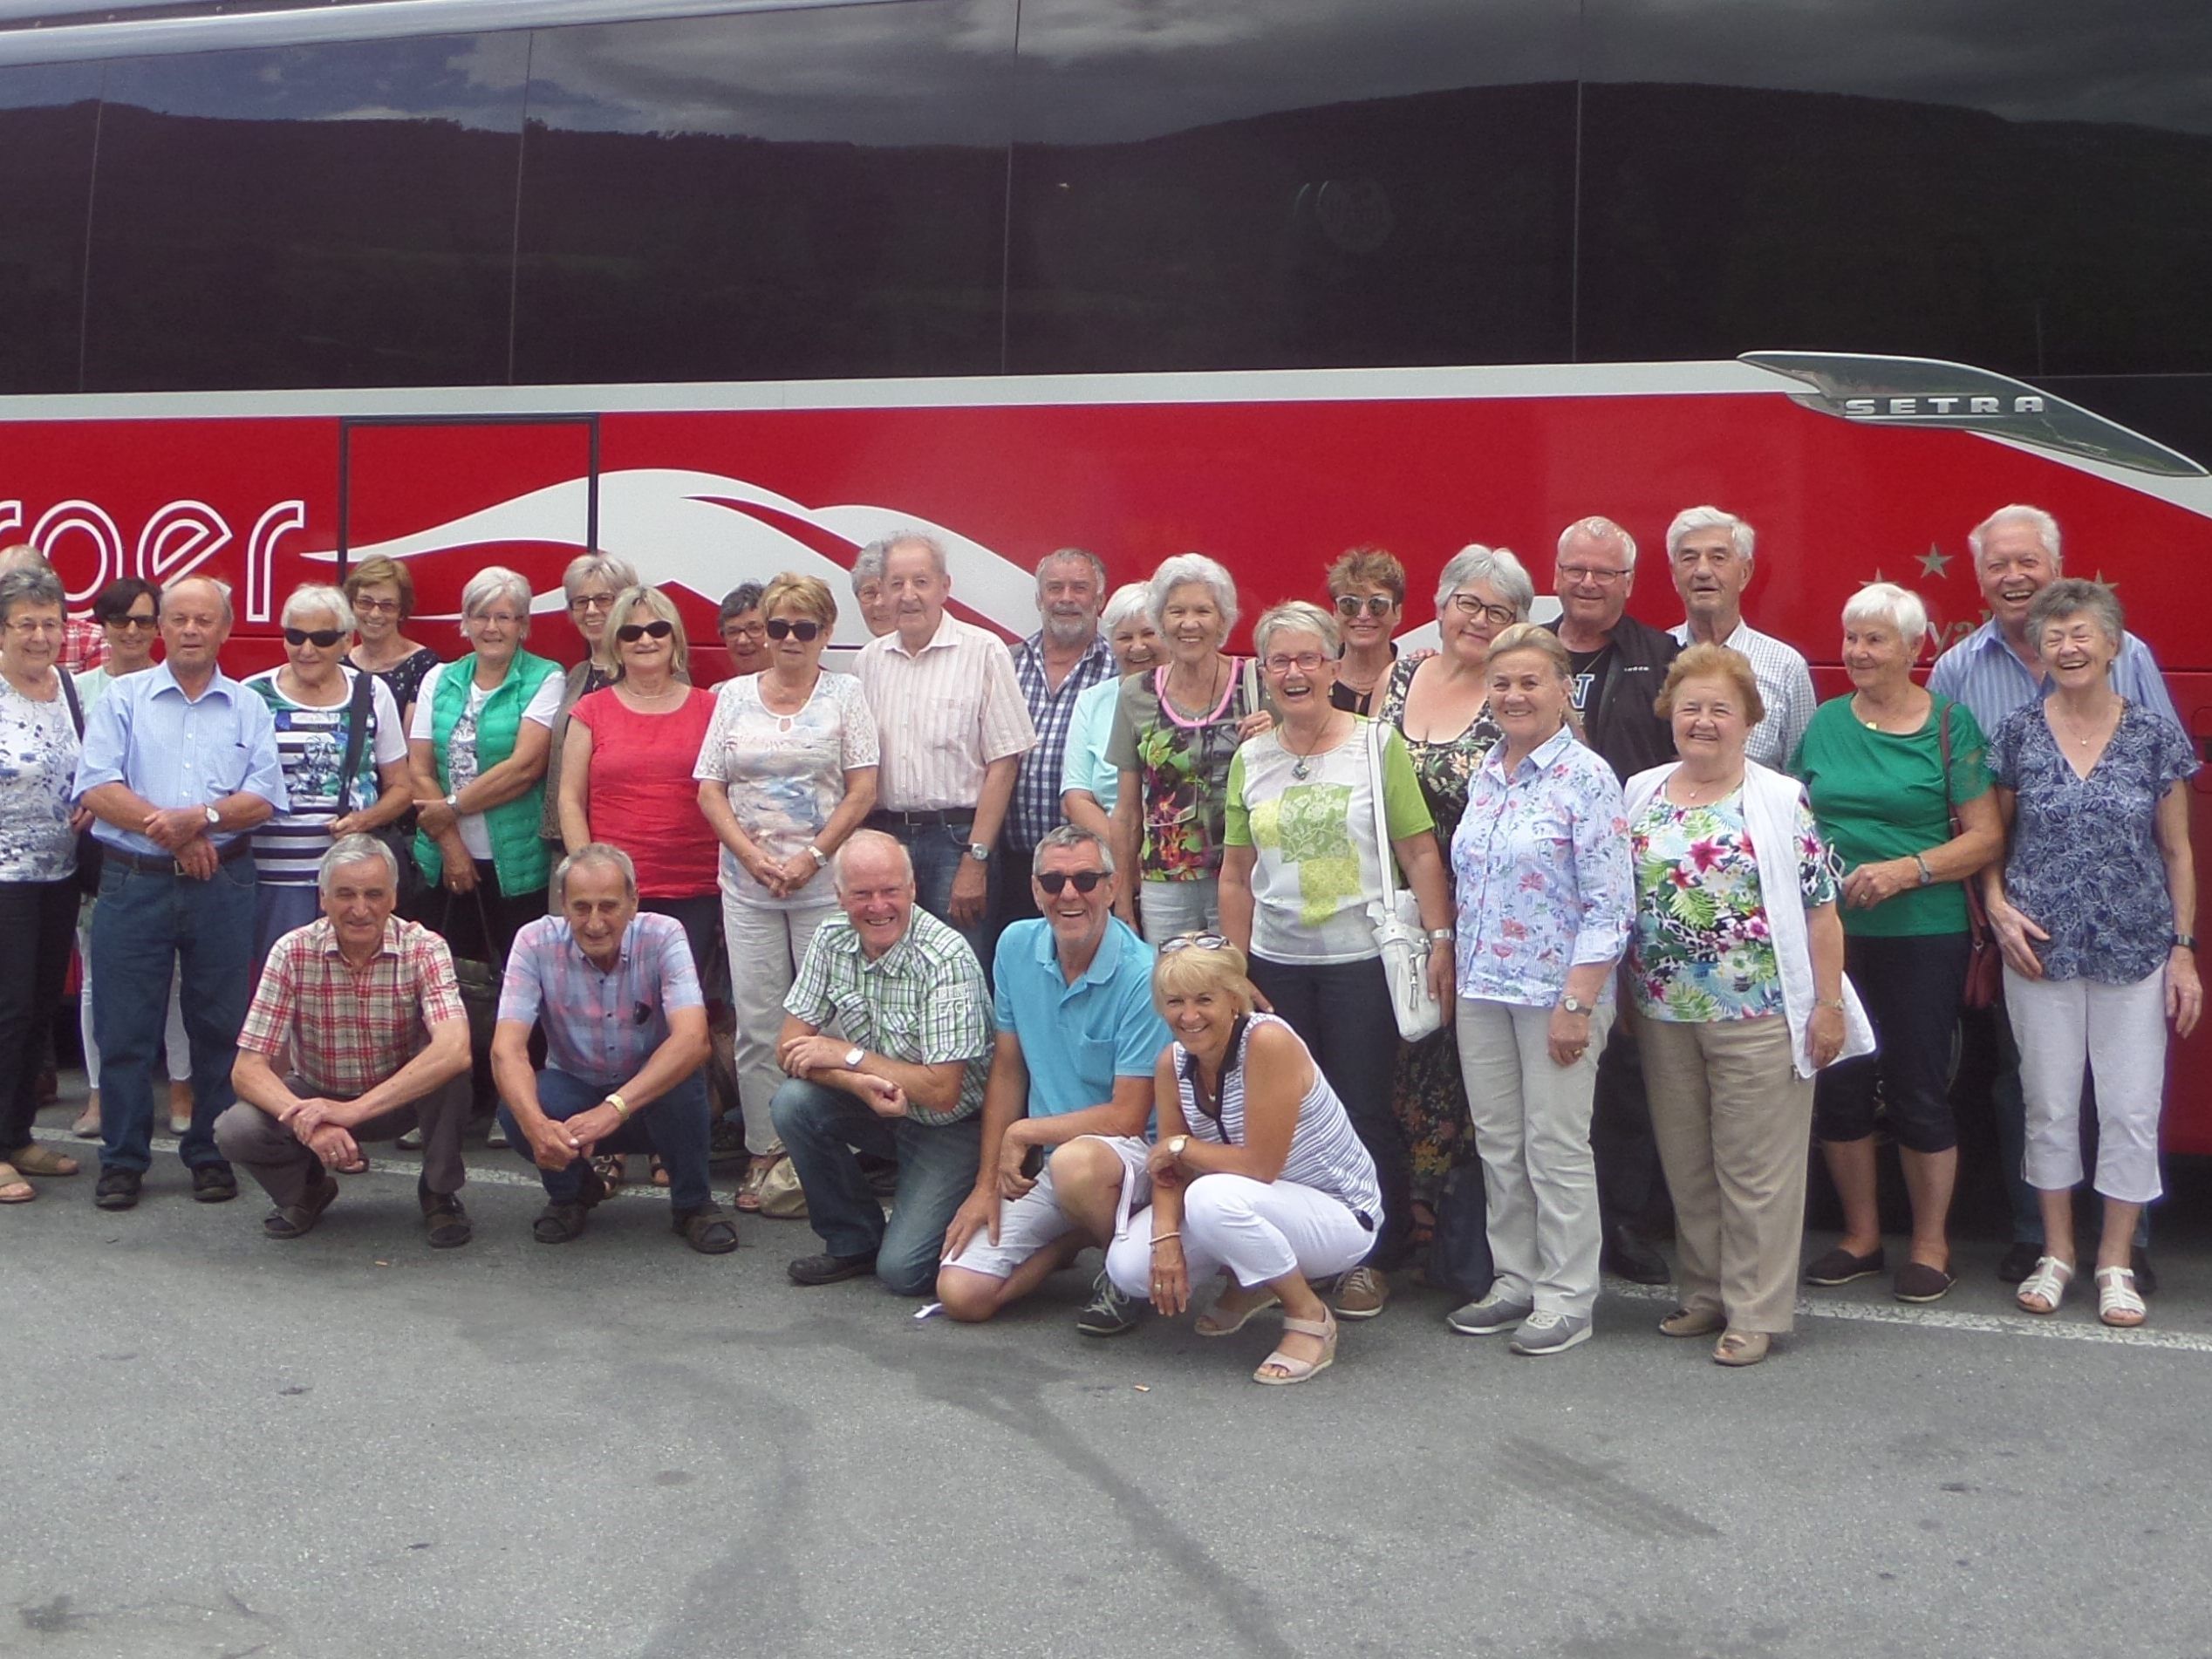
{"x":625,"y":1050}
{"x":366,"y":1008}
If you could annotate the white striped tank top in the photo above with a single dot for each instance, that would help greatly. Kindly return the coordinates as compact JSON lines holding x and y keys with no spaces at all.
{"x":1325,"y":1153}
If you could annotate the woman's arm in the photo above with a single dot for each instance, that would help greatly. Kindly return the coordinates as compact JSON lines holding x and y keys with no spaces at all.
{"x":575,"y":803}
{"x":1425,"y":874}
{"x":1981,"y":837}
{"x":1824,"y":942}
{"x":859,"y":801}
{"x":1237,"y":863}
{"x":1170,"y":1274}
{"x":2014,"y":930}
{"x":1081,"y":808}
{"x":1127,"y":841}
{"x":2184,"y":994}
{"x":513,"y":777}
{"x":395,"y":794}
{"x":1278,"y":1071}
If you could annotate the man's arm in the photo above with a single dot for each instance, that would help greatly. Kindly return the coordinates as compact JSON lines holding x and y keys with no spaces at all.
{"x":803,"y":1051}
{"x":441,"y":1060}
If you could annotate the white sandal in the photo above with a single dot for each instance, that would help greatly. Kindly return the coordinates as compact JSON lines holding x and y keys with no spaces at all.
{"x":1301,"y":1371}
{"x":2047,"y":1284}
{"x":2118,"y":1303}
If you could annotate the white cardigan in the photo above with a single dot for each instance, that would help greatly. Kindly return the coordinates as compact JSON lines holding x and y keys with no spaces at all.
{"x":1770,"y":813}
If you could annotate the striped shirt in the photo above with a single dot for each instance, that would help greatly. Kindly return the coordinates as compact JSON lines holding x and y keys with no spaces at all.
{"x":601,"y":1024}
{"x":1326,"y":1154}
{"x":350,"y":1028}
{"x":1982,"y":672}
{"x":943,"y":714}
{"x":922,"y":1001}
{"x":1785,"y":686}
{"x":1036,"y":791}
{"x":311,"y":745}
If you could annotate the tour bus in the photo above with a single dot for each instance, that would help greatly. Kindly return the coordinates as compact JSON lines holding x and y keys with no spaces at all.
{"x":731,"y":288}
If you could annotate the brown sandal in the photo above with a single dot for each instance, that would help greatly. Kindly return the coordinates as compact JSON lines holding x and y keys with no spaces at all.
{"x":13,"y":1188}
{"x":35,"y":1159}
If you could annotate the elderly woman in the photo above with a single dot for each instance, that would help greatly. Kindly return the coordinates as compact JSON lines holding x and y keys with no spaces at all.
{"x":382,"y":595}
{"x":40,"y":732}
{"x":1300,"y":868}
{"x":318,"y":703}
{"x":1175,"y":731}
{"x":1257,"y":1173}
{"x":1735,"y":960}
{"x":591,"y":583}
{"x":1885,"y":769}
{"x":1540,"y":864}
{"x":878,"y":613}
{"x":743,"y":634}
{"x":786,"y":772}
{"x":1440,"y":705}
{"x":1367,"y":589}
{"x":2094,"y":907}
{"x":1089,"y":784}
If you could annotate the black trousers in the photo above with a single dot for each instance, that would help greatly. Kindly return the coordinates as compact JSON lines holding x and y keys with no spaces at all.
{"x":38,"y":922}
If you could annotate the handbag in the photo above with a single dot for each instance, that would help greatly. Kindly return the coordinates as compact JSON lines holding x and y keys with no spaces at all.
{"x":478,"y":982}
{"x":360,"y":712}
{"x":1984,"y":964}
{"x":1460,"y":1258}
{"x":92,"y":852}
{"x":1398,"y":933}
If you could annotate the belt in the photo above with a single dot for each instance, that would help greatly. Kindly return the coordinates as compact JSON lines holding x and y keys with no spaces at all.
{"x":883,"y":816}
{"x":164,"y":864}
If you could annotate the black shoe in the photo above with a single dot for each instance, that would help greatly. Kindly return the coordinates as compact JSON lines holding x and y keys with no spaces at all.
{"x":707,"y":1229}
{"x":298,"y":1220}
{"x":826,"y":1269}
{"x":2146,"y":1276}
{"x":445,"y":1223}
{"x":118,"y":1189}
{"x":214,"y":1184}
{"x":1840,"y":1266}
{"x":2017,"y":1263}
{"x":1631,"y":1258}
{"x":559,"y":1222}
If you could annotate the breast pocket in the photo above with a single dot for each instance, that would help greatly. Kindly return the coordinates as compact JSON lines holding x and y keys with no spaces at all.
{"x":1093,"y":1058}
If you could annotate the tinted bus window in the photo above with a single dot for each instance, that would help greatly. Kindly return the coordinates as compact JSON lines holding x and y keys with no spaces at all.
{"x":47,"y":121}
{"x":787,"y":194}
{"x":1255,"y":183}
{"x":326,"y":216}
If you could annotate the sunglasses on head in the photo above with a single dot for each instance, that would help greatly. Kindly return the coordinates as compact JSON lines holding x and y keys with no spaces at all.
{"x":323,"y":638}
{"x":631,"y":633}
{"x":1055,"y":882}
{"x":1375,"y":605}
{"x":1194,"y":941}
{"x":804,"y":632}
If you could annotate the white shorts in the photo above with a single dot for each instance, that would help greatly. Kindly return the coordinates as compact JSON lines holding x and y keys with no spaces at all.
{"x":1031,"y":1222}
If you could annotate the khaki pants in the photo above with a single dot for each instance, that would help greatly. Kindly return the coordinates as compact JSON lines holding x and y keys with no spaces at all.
{"x":287,"y":1171}
{"x":1734,"y":1124}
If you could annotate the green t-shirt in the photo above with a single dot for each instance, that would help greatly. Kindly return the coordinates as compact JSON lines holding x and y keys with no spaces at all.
{"x":1880,"y":794}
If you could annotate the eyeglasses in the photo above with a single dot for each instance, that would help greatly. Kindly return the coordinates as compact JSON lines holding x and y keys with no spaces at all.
{"x":1055,"y":882}
{"x":377,"y":607}
{"x":1598,"y":573}
{"x":1375,"y":605}
{"x":500,"y":618}
{"x":745,"y":630}
{"x":131,"y":622}
{"x":1468,"y":604}
{"x":324,"y":638}
{"x":36,"y":624}
{"x":592,"y":602}
{"x":804,"y":632}
{"x":1194,"y":941}
{"x":631,"y":633}
{"x":1305,"y":662}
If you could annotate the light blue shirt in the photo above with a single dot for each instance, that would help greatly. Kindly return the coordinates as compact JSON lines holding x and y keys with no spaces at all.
{"x":1982,"y":672}
{"x":1077,"y":1039}
{"x":172,"y":751}
{"x":1085,"y":765}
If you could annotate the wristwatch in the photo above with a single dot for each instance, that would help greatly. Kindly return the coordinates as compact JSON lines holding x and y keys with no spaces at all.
{"x":821,"y":858}
{"x":1441,"y":936}
{"x":977,"y":851}
{"x":1175,"y":1147}
{"x":453,"y":802}
{"x":2184,"y":941}
{"x":854,"y":1055}
{"x":1569,"y":1004}
{"x":215,"y":815}
{"x":1927,"y":875}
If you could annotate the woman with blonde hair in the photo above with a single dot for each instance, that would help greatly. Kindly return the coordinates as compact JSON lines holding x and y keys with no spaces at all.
{"x":381,"y":592}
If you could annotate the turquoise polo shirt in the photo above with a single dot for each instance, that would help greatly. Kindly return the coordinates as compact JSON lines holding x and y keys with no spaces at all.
{"x":1077,"y":1039}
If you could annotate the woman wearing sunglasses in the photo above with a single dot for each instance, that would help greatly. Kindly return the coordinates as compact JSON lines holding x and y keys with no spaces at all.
{"x":313,"y":700}
{"x":1366,"y":588}
{"x":787,"y":772}
{"x":591,"y":585}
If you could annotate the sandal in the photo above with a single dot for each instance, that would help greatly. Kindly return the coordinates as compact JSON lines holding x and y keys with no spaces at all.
{"x":1291,"y":1370}
{"x":2118,"y":1303}
{"x":609,"y":1167}
{"x":659,"y":1175}
{"x":707,"y":1230}
{"x":87,"y":1122}
{"x":35,"y":1159}
{"x":756,"y":1175}
{"x":1741,"y":1348}
{"x":1211,"y":1323}
{"x":2046,"y":1284}
{"x":13,"y":1188}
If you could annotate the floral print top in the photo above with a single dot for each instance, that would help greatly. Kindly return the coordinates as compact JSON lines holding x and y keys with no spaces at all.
{"x":1446,"y":769}
{"x":1702,"y":950}
{"x":1182,"y":765}
{"x":2085,"y":864}
{"x":37,"y":779}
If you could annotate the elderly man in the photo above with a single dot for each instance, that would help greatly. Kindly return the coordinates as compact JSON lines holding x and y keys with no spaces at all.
{"x":952,"y":729}
{"x":903,"y":1080}
{"x":1711,"y":551}
{"x":1053,"y":667}
{"x":625,"y":1050}
{"x":1618,"y":666}
{"x":179,"y":764}
{"x":367,"y":1009}
{"x":1993,"y":671}
{"x":1071,"y":1079}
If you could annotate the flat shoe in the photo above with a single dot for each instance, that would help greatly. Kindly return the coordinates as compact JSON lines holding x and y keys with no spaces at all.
{"x":1918,"y":1282}
{"x":1692,"y":1321}
{"x":1741,"y":1348}
{"x":2047,"y":1285}
{"x":87,"y":1123}
{"x":1840,"y":1266}
{"x":1207,"y":1324}
{"x":1301,"y":1371}
{"x":298,"y":1220}
{"x":2117,"y":1304}
{"x":35,"y":1159}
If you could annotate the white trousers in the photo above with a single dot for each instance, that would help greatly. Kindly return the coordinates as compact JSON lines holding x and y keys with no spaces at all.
{"x":1531,"y":1123}
{"x":766,"y":946}
{"x":2119,"y":1032}
{"x":1260,"y":1230}
{"x":1167,"y":908}
{"x":174,"y":1043}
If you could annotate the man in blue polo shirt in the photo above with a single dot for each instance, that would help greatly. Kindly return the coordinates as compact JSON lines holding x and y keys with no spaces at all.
{"x":1071,"y":1077}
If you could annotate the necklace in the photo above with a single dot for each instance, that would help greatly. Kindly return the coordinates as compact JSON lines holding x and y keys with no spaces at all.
{"x":1302,"y":766}
{"x":1213,"y":689}
{"x":1876,"y":723}
{"x":1694,"y":787}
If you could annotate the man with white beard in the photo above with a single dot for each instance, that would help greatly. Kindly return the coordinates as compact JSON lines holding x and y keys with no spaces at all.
{"x":1055,"y":665}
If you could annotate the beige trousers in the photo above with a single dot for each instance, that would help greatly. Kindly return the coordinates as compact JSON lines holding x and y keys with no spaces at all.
{"x":1734,"y":1124}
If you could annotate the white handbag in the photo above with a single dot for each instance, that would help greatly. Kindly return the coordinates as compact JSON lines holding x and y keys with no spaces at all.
{"x":1396,"y":916}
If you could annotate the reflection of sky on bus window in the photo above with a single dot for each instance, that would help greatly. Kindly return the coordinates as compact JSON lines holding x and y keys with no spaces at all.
{"x":365,"y":81}
{"x":45,"y":86}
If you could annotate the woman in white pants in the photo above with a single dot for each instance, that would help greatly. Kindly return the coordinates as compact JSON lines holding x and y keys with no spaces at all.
{"x":2094,"y":907}
{"x":787,"y":772}
{"x":1258,"y":1171}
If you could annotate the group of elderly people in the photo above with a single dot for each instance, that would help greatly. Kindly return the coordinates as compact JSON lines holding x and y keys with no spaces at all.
{"x":1676,"y":917}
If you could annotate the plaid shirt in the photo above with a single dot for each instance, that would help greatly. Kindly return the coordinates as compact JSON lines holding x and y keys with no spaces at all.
{"x":1036,"y":789}
{"x":350,"y":1028}
{"x":84,"y":645}
{"x":922,"y":1001}
{"x":600,"y":1027}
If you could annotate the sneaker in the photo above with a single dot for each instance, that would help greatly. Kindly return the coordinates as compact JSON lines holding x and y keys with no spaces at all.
{"x":118,"y":1190}
{"x":1361,"y":1293}
{"x":1109,"y":1313}
{"x":214,"y":1184}
{"x":1488,"y":1317}
{"x":823,"y":1268}
{"x":1546,"y":1331}
{"x":411,"y":1141}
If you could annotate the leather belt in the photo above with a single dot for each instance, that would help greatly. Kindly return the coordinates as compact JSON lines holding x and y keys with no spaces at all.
{"x":883,"y":817}
{"x":164,"y":865}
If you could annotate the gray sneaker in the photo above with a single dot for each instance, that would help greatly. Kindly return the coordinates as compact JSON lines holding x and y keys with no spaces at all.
{"x":1548,"y":1332}
{"x":1109,"y":1313}
{"x":1488,"y":1317}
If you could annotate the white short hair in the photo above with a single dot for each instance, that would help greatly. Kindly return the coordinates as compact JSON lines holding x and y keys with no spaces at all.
{"x":1130,"y":599}
{"x":1183,"y":569}
{"x":1600,"y":527}
{"x":312,"y":597}
{"x":1690,"y":520}
{"x":1886,"y":602}
{"x":1295,"y":616}
{"x":490,"y":584}
{"x":2045,"y":526}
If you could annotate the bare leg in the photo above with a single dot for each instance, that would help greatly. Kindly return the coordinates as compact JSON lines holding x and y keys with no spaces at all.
{"x":1930,"y":1177}
{"x":1086,"y":1185}
{"x":1851,"y":1166}
{"x":2057,"y":1232}
{"x":970,"y":1297}
{"x":2115,"y":1244}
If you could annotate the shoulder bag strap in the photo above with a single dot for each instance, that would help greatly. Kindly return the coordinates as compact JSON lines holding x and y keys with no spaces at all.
{"x":69,"y":695}
{"x":360,"y":710}
{"x":1385,"y":855}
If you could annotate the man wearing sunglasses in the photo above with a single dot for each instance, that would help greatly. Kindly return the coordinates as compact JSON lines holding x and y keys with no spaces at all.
{"x":1071,"y":1084}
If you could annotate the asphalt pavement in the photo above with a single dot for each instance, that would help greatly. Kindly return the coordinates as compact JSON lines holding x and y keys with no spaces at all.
{"x":353,"y":1445}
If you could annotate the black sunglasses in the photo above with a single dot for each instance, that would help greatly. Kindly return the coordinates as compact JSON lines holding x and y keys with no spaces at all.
{"x":1054,"y":882}
{"x":323,"y":638}
{"x":631,"y":633}
{"x":804,"y":632}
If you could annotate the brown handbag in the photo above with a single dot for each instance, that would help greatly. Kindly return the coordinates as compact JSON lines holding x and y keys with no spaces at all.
{"x":1984,"y":963}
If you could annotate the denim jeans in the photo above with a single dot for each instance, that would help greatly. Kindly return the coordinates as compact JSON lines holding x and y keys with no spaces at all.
{"x":676,"y":1127}
{"x":278,"y":908}
{"x":821,"y":1128}
{"x":36,"y":917}
{"x":937,"y":849}
{"x":146,"y":925}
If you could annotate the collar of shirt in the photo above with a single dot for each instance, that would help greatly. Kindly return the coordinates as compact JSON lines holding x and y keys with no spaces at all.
{"x":892,"y":961}
{"x":1105,"y":961}
{"x":159,"y":679}
{"x":946,"y":623}
{"x":1537,"y":759}
{"x":1033,"y":648}
{"x":1737,"y":639}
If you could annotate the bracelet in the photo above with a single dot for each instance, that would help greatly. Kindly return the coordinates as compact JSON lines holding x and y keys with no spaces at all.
{"x":621,"y":1106}
{"x":1927,"y":875}
{"x":1441,"y":936}
{"x":1162,"y":1238}
{"x":1829,"y":1002}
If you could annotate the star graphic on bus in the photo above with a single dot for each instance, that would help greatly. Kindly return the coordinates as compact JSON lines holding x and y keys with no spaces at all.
{"x":1934,"y":562}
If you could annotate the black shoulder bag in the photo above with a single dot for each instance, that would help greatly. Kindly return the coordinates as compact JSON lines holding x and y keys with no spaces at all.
{"x":92,"y":852}
{"x":360,"y":710}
